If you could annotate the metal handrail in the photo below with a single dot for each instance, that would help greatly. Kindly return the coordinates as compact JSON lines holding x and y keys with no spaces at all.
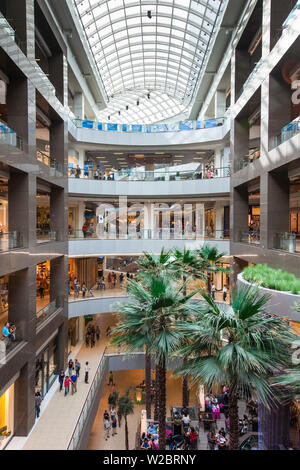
{"x":155,"y":175}
{"x":98,"y":371}
{"x":149,"y":128}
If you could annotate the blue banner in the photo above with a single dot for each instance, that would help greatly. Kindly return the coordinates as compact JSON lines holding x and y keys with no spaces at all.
{"x":124,"y":127}
{"x":198,"y":124}
{"x":136,"y":127}
{"x":100,"y":126}
{"x":210,"y":123}
{"x":88,"y":124}
{"x":112,"y":127}
{"x":148,"y":129}
{"x":186,"y":125}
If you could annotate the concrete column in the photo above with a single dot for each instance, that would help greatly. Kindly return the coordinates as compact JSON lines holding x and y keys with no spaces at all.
{"x":266,"y":27}
{"x":22,"y":206}
{"x":24,"y":412}
{"x":59,"y":141}
{"x":58,"y":211}
{"x":274,"y":204}
{"x":240,"y":143}
{"x":279,"y":107}
{"x":21,"y":102}
{"x":80,"y":214}
{"x":79,"y":110}
{"x":219,"y":219}
{"x":58,"y":75}
{"x":274,"y":427}
{"x":239,"y":213}
{"x":148,"y":217}
{"x":58,"y":279}
{"x":21,"y":301}
{"x":220,"y":103}
{"x":81,"y":328}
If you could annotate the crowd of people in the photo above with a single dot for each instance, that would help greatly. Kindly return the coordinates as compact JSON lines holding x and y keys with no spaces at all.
{"x":92,"y":334}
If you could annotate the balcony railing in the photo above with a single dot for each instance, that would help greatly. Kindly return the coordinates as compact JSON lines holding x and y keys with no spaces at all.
{"x":254,"y":154}
{"x":44,"y":236}
{"x":157,"y":175}
{"x":44,"y":157}
{"x":252,"y":74}
{"x":7,"y":345}
{"x":148,"y":128}
{"x":46,"y":312}
{"x":11,"y":241}
{"x":251,"y":238}
{"x":287,"y":132}
{"x":286,"y":241}
{"x":159,"y":234}
{"x":9,"y":137}
{"x":99,"y":375}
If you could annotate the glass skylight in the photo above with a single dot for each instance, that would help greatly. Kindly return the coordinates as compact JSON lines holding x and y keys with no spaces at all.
{"x":137,"y":55}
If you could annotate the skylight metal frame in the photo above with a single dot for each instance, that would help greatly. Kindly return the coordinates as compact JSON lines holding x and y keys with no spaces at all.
{"x":136,"y":55}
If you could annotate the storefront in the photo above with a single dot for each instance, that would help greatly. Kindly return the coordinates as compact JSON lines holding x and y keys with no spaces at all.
{"x":43,"y":280}
{"x":3,"y":216}
{"x":73,"y":332}
{"x":42,"y":212}
{"x":3,"y":300}
{"x":6,"y":416}
{"x":46,"y":368}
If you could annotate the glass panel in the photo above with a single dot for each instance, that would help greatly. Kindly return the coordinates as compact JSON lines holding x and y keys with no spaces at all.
{"x":123,"y":35}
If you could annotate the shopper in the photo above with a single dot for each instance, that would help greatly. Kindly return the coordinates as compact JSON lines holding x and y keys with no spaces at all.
{"x":67,"y":384}
{"x":77,"y":367}
{"x":86,"y":379}
{"x":98,"y":332}
{"x":193,"y":438}
{"x":38,"y":401}
{"x":107,"y":428}
{"x":74,"y":382}
{"x":224,"y":293}
{"x":83,"y":289}
{"x":77,"y":172}
{"x":213,"y":291}
{"x":110,"y":379}
{"x":61,"y":379}
{"x":114,"y":425}
{"x":70,"y":367}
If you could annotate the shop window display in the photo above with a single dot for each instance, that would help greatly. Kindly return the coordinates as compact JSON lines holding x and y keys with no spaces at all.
{"x":6,"y":417}
{"x":46,"y":369}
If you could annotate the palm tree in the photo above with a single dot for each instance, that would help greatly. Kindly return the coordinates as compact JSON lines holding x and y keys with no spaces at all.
{"x":166,"y":304}
{"x":125,"y":409}
{"x":212,"y":261}
{"x":135,"y":331}
{"x":195,"y":264}
{"x":239,"y":346}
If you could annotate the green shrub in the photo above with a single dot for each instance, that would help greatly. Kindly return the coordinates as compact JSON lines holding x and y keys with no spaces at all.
{"x":275,"y":279}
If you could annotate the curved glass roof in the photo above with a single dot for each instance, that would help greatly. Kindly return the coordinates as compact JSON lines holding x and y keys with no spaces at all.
{"x":143,"y":46}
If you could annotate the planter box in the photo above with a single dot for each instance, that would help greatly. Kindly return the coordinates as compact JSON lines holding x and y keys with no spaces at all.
{"x":281,"y":304}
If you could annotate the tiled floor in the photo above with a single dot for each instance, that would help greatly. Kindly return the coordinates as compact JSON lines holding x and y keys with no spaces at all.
{"x":55,"y":426}
{"x":123,"y":380}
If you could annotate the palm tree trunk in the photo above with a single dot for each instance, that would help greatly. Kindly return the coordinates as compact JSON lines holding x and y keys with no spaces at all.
{"x":148,"y":384}
{"x":162,"y":406}
{"x":185,"y":391}
{"x":233,"y":420}
{"x":156,"y":394}
{"x":185,"y":384}
{"x":126,"y":434}
{"x":208,"y":283}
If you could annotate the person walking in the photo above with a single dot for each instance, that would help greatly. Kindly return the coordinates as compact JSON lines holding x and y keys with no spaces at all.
{"x":110,"y":379}
{"x":61,"y":379}
{"x":224,"y":293}
{"x":98,"y":333}
{"x":86,"y":378}
{"x":83,"y":288}
{"x":77,"y":367}
{"x":74,"y":382}
{"x":119,"y":418}
{"x":114,"y":425}
{"x":87,"y":339}
{"x":107,"y":428}
{"x":213,"y":291}
{"x":67,"y":384}
{"x":70,"y":367}
{"x":38,"y":401}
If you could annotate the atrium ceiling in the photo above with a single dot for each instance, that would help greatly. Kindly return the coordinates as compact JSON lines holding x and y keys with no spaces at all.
{"x":149,"y":53}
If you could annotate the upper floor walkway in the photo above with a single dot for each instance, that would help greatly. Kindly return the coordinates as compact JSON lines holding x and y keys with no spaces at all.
{"x":160,"y":183}
{"x":162,"y":135}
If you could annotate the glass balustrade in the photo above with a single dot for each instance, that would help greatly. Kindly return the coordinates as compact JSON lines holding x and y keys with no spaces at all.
{"x":155,"y":175}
